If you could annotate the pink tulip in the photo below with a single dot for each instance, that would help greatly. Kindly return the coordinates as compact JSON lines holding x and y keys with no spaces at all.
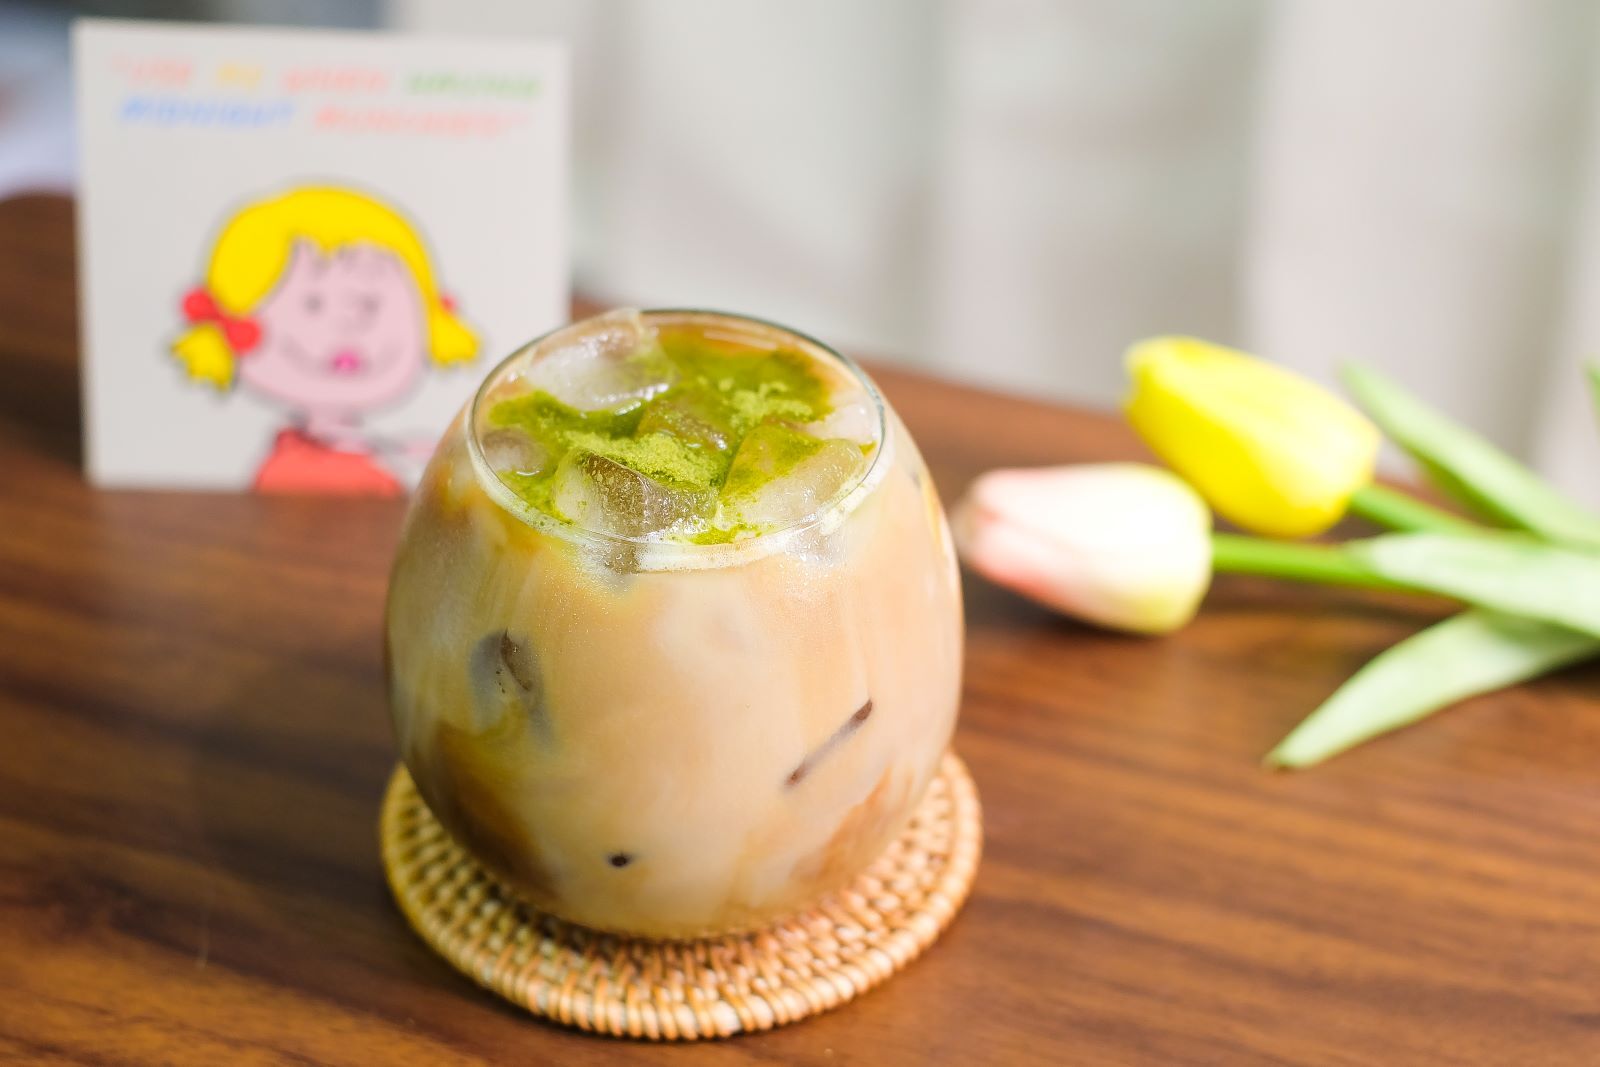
{"x":1122,"y":545}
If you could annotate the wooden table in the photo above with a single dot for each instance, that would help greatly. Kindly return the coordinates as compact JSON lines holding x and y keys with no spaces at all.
{"x":193,"y":742}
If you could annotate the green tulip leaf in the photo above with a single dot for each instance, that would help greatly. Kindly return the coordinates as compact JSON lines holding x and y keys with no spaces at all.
{"x":1467,"y":466}
{"x":1513,"y":573}
{"x":1466,"y":655}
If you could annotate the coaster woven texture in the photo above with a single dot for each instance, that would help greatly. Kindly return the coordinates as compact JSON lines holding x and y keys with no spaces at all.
{"x":685,"y":990}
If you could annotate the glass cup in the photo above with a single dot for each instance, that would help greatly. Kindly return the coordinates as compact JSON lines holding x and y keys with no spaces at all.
{"x":670,"y":739}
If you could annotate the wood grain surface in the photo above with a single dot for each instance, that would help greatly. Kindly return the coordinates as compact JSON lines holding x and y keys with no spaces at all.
{"x":193,"y":743}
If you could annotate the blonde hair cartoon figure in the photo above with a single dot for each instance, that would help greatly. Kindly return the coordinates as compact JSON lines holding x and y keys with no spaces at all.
{"x":323,"y":301}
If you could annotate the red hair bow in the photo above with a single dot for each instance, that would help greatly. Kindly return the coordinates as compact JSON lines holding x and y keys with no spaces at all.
{"x":241,"y":331}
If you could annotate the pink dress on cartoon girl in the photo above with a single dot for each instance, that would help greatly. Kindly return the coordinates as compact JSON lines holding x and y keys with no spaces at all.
{"x":299,"y":463}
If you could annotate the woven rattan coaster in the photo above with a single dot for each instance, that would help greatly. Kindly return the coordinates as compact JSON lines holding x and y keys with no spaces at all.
{"x":683,"y":990}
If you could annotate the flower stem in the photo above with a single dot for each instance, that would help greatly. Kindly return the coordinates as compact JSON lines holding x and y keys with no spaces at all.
{"x":1326,"y":564}
{"x":1399,"y":511}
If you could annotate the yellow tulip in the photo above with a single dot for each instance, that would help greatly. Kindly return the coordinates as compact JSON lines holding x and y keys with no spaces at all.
{"x":1269,"y":450}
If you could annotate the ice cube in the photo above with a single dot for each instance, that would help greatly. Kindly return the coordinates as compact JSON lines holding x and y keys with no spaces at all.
{"x":507,"y":681}
{"x":855,"y":421}
{"x":611,"y":363}
{"x":603,"y":495}
{"x":698,"y":419}
{"x":510,"y":451}
{"x":780,"y":476}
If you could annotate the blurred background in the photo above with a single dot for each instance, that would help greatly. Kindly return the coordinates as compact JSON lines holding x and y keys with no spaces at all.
{"x":1010,"y":191}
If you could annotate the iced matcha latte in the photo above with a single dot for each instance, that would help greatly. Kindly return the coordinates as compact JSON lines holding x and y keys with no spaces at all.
{"x":675,"y":630}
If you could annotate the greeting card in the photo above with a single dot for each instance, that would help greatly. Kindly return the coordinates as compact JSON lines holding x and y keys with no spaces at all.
{"x":302,"y":250}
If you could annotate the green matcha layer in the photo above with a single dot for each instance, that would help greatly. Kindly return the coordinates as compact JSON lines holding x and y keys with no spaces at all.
{"x":674,"y":438}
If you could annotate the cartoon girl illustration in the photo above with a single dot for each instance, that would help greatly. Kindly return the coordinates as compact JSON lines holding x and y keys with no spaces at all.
{"x":322,"y":300}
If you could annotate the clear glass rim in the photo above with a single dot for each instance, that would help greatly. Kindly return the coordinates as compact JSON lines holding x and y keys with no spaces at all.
{"x":703,"y":554}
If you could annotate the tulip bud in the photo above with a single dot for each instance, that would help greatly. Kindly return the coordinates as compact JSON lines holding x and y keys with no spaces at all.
{"x":1269,"y":450}
{"x":1123,"y":545}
